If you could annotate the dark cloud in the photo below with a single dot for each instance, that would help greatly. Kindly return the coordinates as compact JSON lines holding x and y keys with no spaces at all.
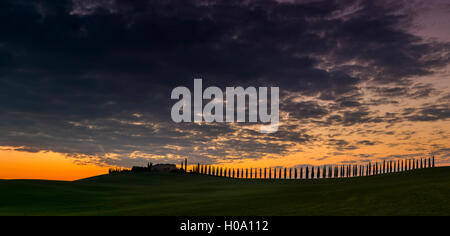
{"x":92,"y":77}
{"x":341,"y":145}
{"x":416,"y":91}
{"x":367,"y":143}
{"x":429,"y":113}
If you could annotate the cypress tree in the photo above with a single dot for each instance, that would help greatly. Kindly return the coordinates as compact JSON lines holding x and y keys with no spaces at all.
{"x":307,"y":173}
{"x":285,"y":172}
{"x":433,"y":163}
{"x":185,"y":164}
{"x":295,"y":173}
{"x":301,"y":172}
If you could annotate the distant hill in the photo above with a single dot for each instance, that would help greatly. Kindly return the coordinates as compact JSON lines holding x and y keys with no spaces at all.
{"x":419,"y":192}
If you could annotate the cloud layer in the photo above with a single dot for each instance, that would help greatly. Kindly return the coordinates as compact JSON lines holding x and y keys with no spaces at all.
{"x":92,"y":78}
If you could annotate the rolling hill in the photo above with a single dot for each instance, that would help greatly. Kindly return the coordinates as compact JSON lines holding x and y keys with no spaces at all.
{"x":419,"y":192}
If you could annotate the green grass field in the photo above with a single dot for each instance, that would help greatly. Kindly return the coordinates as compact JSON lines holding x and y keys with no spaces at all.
{"x":420,"y":192}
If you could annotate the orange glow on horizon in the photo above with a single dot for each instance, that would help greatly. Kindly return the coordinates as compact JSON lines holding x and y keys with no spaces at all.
{"x":44,"y":165}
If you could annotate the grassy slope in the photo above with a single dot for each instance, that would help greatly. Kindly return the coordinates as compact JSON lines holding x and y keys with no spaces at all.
{"x":421,"y":192}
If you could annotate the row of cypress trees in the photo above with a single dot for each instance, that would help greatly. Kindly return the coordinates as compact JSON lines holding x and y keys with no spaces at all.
{"x":312,"y":172}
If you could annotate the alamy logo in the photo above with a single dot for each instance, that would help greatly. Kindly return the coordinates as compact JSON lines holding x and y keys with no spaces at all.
{"x":235,"y":105}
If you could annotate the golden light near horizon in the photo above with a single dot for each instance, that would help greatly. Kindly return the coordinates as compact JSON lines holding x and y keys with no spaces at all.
{"x":43,"y":165}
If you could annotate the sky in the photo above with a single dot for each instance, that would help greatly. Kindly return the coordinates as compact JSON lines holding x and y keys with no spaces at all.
{"x":85,"y":85}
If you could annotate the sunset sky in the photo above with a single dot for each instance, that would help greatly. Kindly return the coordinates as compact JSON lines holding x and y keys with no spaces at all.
{"x":85,"y":84}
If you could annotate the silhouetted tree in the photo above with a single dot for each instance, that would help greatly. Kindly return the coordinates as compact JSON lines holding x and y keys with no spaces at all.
{"x":433,"y":163}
